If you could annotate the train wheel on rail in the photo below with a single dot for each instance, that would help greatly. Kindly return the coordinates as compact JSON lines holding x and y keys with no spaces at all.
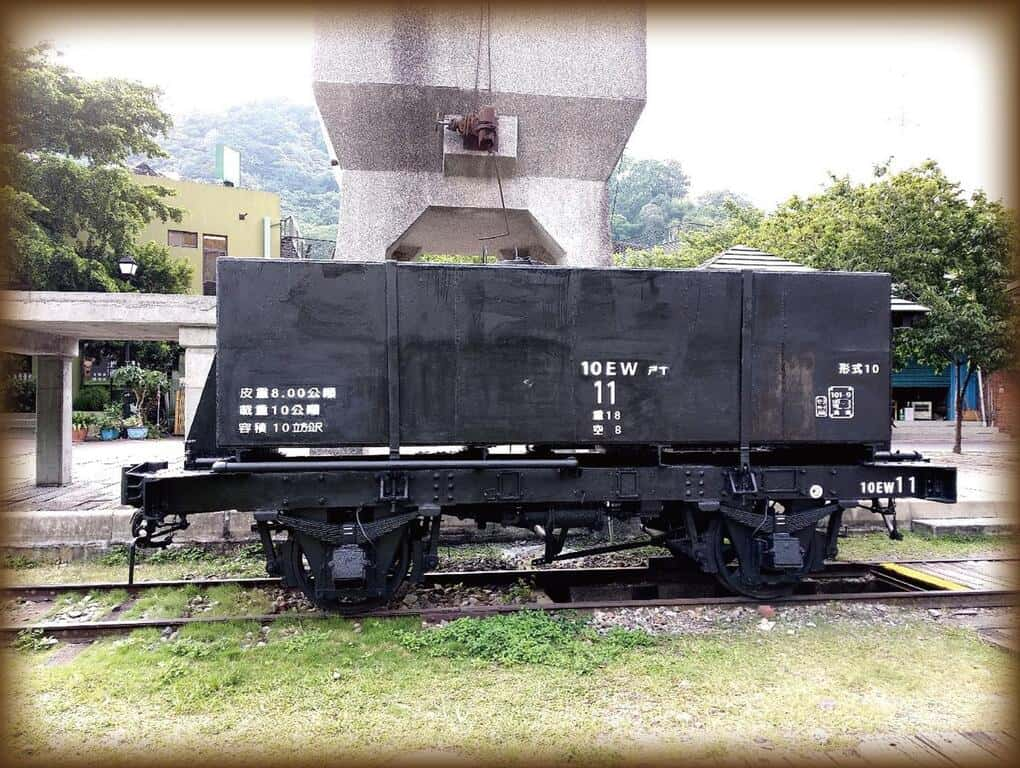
{"x":733,"y":574}
{"x":300,"y":570}
{"x":387,"y":563}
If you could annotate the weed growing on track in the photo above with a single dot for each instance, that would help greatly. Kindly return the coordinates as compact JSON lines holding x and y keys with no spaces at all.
{"x":34,"y":640}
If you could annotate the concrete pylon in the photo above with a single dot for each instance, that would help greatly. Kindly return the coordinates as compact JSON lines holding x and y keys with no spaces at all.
{"x":567,"y":82}
{"x":53,"y":421}
{"x":199,"y":351}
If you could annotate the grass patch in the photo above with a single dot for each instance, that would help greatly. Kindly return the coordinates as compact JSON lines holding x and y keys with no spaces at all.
{"x":528,"y":637}
{"x":878,"y":545}
{"x":376,"y":690}
{"x":232,"y":600}
{"x":162,"y":603}
{"x":153,"y":565}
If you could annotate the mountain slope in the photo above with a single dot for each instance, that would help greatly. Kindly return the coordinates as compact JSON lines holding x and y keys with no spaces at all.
{"x":282,"y":150}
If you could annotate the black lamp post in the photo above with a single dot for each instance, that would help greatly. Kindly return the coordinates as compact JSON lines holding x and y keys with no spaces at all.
{"x":127,"y":266}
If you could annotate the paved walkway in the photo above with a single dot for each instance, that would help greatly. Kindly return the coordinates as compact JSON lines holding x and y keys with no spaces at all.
{"x":96,"y":473}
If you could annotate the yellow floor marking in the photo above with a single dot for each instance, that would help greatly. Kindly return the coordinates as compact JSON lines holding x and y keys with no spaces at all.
{"x":925,"y":578}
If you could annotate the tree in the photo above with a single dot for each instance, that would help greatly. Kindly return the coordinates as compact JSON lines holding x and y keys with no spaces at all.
{"x":637,"y":184}
{"x":71,"y":207}
{"x":655,"y":258}
{"x":948,"y":251}
{"x":142,"y":382}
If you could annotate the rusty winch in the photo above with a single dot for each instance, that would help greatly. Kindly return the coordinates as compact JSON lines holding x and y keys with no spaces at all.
{"x":480,"y":129}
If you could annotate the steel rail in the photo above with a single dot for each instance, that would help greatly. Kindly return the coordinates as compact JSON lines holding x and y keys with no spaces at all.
{"x":928,"y":599}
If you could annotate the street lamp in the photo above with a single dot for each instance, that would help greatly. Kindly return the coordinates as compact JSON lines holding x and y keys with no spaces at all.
{"x":127,"y":267}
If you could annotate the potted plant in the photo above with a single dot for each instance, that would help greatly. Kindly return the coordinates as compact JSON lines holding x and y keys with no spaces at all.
{"x":110,"y":423}
{"x":80,"y":426}
{"x":143,"y":383}
{"x":136,"y":428}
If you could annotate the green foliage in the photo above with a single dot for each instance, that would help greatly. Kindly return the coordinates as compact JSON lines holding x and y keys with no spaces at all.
{"x":17,"y":394}
{"x":656,"y":258}
{"x":17,"y":562}
{"x":950,"y":252}
{"x":112,"y":418}
{"x":192,"y":648}
{"x":251,"y":553}
{"x":91,"y":397}
{"x":304,"y":640}
{"x":156,"y":355}
{"x":160,"y":272}
{"x":647,"y":199}
{"x":143,"y":383}
{"x":55,"y":110}
{"x":80,"y":420}
{"x":650,"y":207}
{"x":282,"y":151}
{"x":33,"y":640}
{"x":527,"y":637}
{"x":451,"y":258}
{"x":71,"y":207}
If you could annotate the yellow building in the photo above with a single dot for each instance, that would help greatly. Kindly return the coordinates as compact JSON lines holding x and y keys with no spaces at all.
{"x":218,"y":220}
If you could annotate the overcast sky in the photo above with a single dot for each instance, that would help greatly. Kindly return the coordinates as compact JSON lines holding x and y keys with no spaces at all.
{"x":764,"y":106}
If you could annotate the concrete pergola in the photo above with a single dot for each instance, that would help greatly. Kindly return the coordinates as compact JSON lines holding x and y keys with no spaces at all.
{"x":49,"y":325}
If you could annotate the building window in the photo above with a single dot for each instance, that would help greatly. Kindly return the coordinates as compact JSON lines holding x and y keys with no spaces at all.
{"x":179,"y":239}
{"x":213,"y":247}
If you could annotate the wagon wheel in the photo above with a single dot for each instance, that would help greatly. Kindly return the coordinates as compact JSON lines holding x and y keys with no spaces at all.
{"x":299,"y":571}
{"x":730,"y":572}
{"x":397,"y":572}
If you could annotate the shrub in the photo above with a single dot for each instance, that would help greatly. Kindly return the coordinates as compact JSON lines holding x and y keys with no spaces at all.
{"x":91,"y":398}
{"x":18,"y":394}
{"x":82,"y":420}
{"x":112,"y":418}
{"x":142,"y":382}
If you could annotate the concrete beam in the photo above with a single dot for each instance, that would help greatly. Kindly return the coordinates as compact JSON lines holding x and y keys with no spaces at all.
{"x":106,"y":316}
{"x":21,"y":341}
{"x":53,"y":421}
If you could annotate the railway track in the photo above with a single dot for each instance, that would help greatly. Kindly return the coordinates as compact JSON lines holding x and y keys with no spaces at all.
{"x":577,"y":589}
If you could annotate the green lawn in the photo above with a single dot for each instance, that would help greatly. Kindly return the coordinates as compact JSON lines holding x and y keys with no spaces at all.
{"x":155,"y":565}
{"x":517,"y":689}
{"x":878,"y":546}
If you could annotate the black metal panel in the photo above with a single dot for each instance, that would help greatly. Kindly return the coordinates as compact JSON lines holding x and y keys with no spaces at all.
{"x":523,"y":355}
{"x":542,"y":355}
{"x":820,"y":343}
{"x":314,"y":329}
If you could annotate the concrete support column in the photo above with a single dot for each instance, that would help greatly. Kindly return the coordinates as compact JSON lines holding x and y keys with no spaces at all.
{"x":199,"y":349}
{"x":53,"y":421}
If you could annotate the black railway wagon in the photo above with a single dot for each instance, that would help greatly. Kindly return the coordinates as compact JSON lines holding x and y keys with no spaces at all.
{"x":735,"y":413}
